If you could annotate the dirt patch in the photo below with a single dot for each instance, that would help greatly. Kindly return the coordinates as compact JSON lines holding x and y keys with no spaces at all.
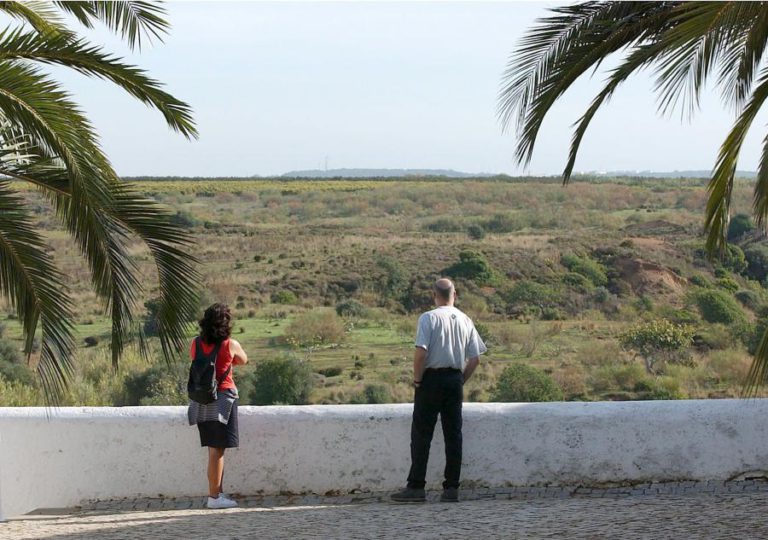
{"x":656,"y":227}
{"x":649,"y":243}
{"x":649,"y":277}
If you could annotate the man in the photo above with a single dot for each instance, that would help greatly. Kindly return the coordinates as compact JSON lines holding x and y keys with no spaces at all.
{"x":448,"y":350}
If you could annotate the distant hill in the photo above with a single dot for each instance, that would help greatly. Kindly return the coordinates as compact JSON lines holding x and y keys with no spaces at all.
{"x":380,"y":173}
{"x":670,"y":174}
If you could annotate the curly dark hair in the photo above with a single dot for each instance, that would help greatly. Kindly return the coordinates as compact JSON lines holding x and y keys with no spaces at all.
{"x":216,"y":324}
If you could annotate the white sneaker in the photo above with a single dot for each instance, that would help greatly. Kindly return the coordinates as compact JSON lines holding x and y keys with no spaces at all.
{"x":222,"y":501}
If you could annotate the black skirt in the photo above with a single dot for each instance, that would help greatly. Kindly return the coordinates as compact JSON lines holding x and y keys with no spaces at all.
{"x":218,"y":435}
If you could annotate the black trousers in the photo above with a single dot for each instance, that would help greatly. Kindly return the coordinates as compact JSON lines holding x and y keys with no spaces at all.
{"x":441,"y":392}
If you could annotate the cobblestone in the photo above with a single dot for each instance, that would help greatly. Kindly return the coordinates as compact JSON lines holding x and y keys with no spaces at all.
{"x":690,"y":510}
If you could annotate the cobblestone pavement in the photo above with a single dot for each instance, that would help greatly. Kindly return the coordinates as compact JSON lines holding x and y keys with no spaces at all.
{"x":679,"y":510}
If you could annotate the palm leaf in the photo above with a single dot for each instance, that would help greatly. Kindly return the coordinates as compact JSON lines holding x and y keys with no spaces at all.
{"x":133,"y":20}
{"x":721,"y":185}
{"x":34,"y":285}
{"x":39,"y":15}
{"x":580,"y":51}
{"x":89,"y":60}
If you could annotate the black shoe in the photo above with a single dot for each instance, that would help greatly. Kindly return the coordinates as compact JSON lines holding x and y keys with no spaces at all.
{"x":409,"y":495}
{"x":450,"y":495}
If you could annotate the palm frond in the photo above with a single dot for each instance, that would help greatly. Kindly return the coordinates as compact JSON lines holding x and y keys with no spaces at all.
{"x":640,"y":58}
{"x":29,"y":278}
{"x":721,"y":184}
{"x":738,"y":68}
{"x":176,"y":268}
{"x":699,"y":34}
{"x":612,"y":27}
{"x":90,"y":60}
{"x":133,"y":20}
{"x":41,"y":16}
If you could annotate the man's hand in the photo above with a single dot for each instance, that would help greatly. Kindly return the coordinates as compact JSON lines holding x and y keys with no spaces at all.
{"x":419,"y":359}
{"x":470,"y":367}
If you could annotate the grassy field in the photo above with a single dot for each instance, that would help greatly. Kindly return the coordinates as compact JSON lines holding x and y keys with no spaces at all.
{"x":554,"y":277}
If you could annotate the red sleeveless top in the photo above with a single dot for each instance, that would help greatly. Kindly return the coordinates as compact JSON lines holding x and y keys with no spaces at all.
{"x":223,"y":361}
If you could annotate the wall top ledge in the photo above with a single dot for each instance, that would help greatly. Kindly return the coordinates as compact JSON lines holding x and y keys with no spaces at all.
{"x":398,"y":410}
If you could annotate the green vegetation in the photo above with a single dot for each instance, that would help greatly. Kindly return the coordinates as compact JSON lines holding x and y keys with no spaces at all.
{"x":656,"y":340}
{"x":336,"y":273}
{"x":281,"y":381}
{"x":474,"y":267}
{"x":520,"y":382}
{"x":719,"y":307}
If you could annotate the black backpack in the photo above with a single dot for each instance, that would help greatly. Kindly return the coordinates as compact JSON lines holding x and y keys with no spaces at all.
{"x":202,"y":385}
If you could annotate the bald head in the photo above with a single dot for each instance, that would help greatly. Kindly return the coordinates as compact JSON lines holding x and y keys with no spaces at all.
{"x":444,"y":291}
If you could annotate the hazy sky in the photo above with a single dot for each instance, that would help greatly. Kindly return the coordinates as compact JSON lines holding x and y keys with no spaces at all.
{"x":280,"y":86}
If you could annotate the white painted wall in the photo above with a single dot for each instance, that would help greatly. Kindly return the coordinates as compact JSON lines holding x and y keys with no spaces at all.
{"x":59,"y":458}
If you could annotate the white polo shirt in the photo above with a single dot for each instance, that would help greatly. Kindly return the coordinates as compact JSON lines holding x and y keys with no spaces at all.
{"x":449,"y":337}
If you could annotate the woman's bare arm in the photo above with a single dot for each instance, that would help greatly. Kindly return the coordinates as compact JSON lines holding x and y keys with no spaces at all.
{"x":238,"y":354}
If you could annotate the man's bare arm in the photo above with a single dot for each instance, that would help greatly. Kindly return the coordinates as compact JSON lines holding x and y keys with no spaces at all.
{"x":470,"y":367}
{"x":238,"y":354}
{"x":419,"y":359}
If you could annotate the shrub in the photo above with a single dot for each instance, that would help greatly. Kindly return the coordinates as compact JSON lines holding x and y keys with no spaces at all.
{"x":553,"y":314}
{"x":730,"y":367}
{"x":501,"y":223}
{"x":679,"y":316}
{"x":160,"y":384}
{"x":719,"y":336}
{"x":9,"y":353}
{"x":392,"y":280}
{"x":151,"y":323}
{"x":592,"y":270}
{"x":657,"y":340}
{"x":351,"y":308}
{"x":446,"y":225}
{"x":318,"y":327}
{"x":523,"y":383}
{"x":601,"y":295}
{"x":756,"y":256}
{"x":699,"y":281}
{"x":664,"y":388}
{"x":284,"y":297}
{"x":733,"y":258}
{"x":184,"y":219}
{"x":740,"y":225}
{"x":372,"y":394}
{"x":476,"y":232}
{"x":18,"y":373}
{"x":629,"y":377}
{"x":728,"y":284}
{"x":474,"y":267}
{"x":718,"y":307}
{"x":644,"y":303}
{"x":749,"y":299}
{"x":751,"y":334}
{"x":331,"y":371}
{"x":12,"y":368}
{"x":282,"y":381}
{"x":578,"y":282}
{"x":532,"y":293}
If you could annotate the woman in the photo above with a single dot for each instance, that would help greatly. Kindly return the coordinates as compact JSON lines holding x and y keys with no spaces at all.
{"x":217,"y":421}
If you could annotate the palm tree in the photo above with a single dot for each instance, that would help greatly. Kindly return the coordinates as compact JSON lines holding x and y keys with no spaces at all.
{"x":46,"y":140}
{"x":686,"y":43}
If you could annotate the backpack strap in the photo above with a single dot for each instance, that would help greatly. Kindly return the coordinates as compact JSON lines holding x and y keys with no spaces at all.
{"x":229,"y":368}
{"x":214,"y":354}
